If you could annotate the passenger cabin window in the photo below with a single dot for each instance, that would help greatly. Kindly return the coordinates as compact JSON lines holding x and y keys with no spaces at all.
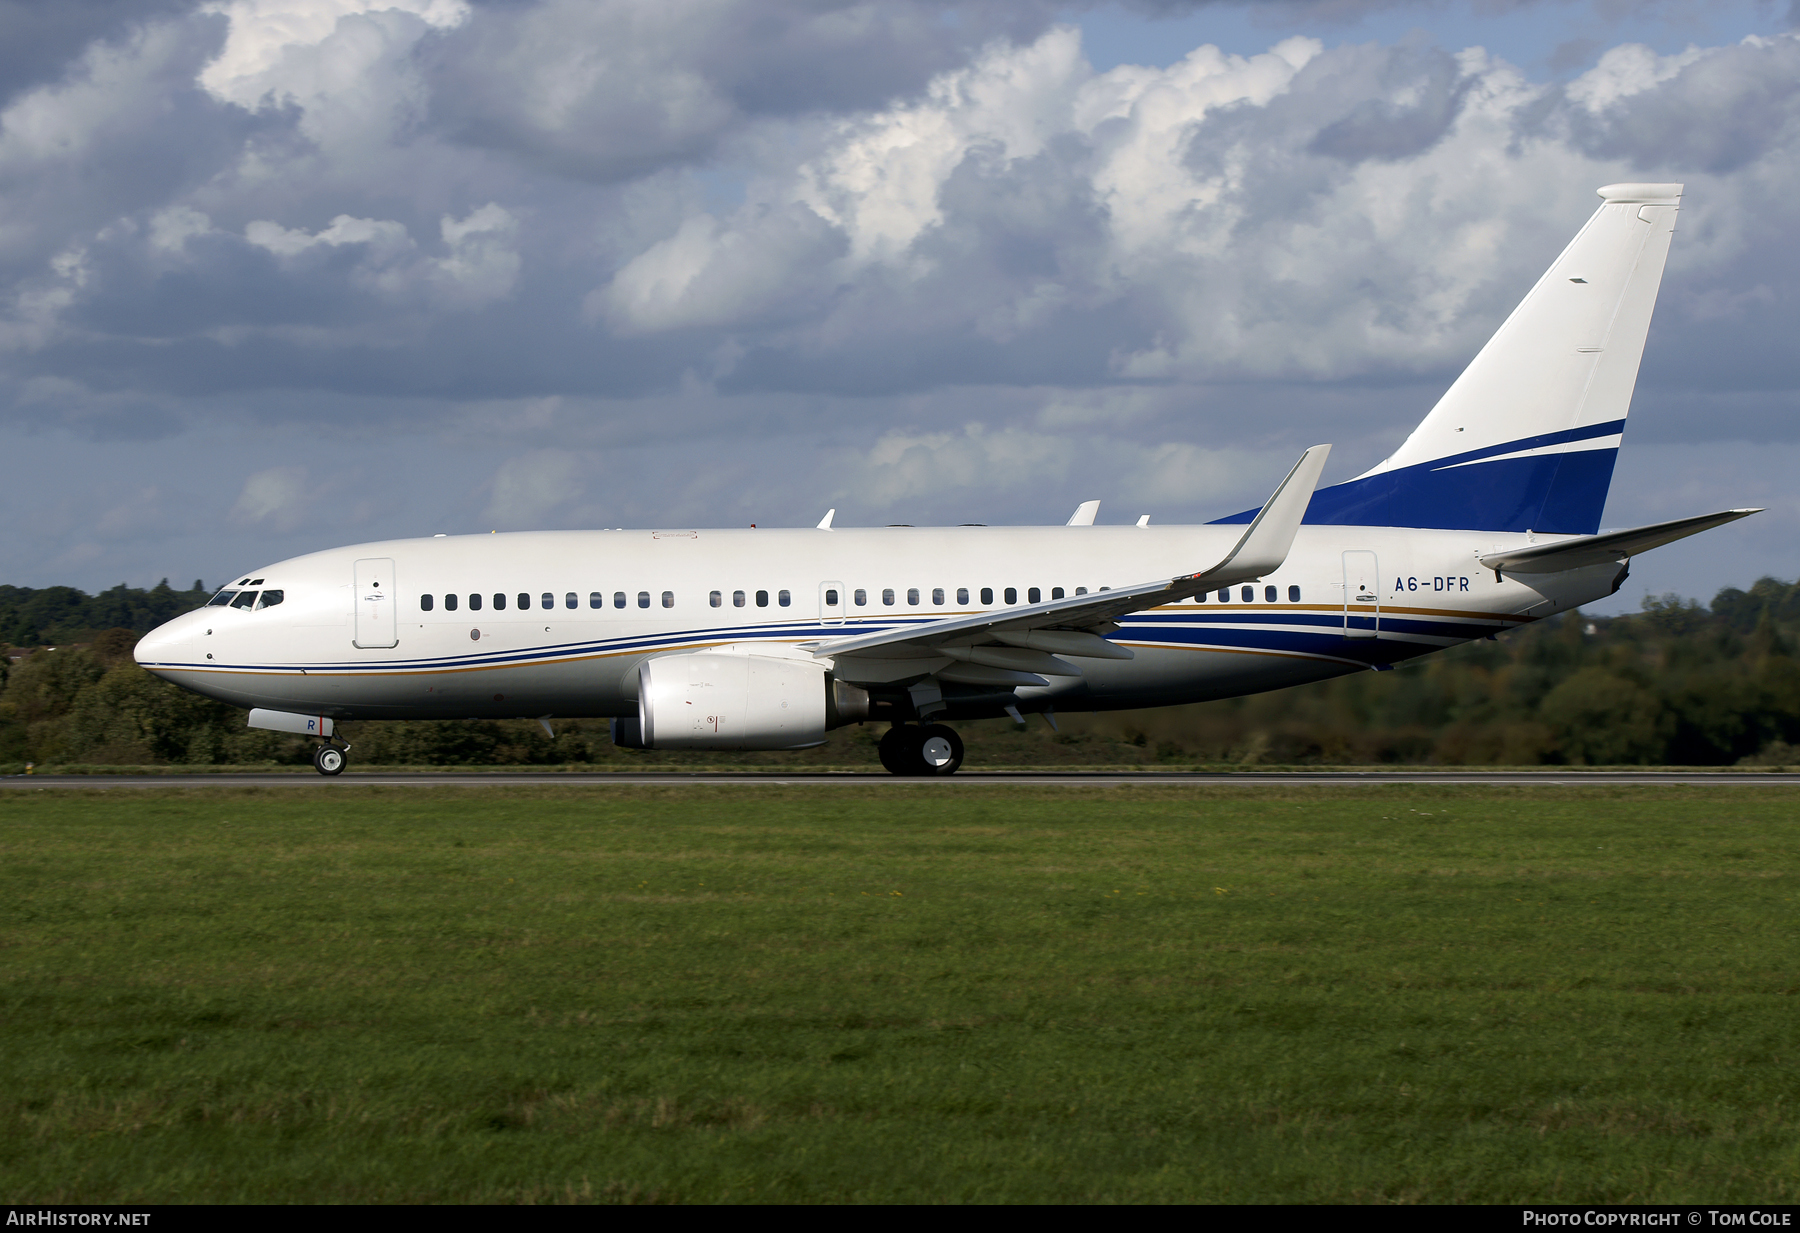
{"x":987,"y":595}
{"x":222,"y":598}
{"x":1268,"y":595}
{"x":474,"y":603}
{"x":1225,"y":596}
{"x":524,"y":601}
{"x":1249,"y":595}
{"x":1200,"y":598}
{"x":962,"y":595}
{"x":716,"y":599}
{"x":762,"y":599}
{"x":245,"y":600}
{"x":571,"y":600}
{"x":861,"y":597}
{"x":1034,"y":596}
{"x":912,"y":596}
{"x":668,"y":599}
{"x":1012,"y":595}
{"x":737,"y":599}
{"x":596,"y":599}
{"x":499,"y":601}
{"x":618,"y":599}
{"x":643,"y":599}
{"x":449,"y":603}
{"x":831,"y":597}
{"x":784,"y":598}
{"x":1081,"y":590}
{"x":547,"y":600}
{"x":427,"y":602}
{"x":1056,"y":592}
{"x":887,"y":597}
{"x":937,"y":596}
{"x":1293,"y":595}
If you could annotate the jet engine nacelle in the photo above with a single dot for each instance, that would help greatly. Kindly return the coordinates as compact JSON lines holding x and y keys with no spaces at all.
{"x":722,"y":701}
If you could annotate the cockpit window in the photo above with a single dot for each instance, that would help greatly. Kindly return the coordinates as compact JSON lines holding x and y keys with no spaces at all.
{"x":245,"y":600}
{"x":222,"y":598}
{"x":270,"y":599}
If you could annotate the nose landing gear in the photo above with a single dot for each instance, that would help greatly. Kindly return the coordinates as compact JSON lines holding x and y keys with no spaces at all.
{"x":924,"y":749}
{"x":331,"y":759}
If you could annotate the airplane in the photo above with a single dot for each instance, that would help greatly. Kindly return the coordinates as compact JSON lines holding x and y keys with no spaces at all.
{"x":1486,"y":518}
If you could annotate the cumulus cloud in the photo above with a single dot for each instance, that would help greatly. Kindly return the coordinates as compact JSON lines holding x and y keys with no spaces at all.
{"x":481,"y":264}
{"x":1297,"y":213}
{"x":1308,"y":213}
{"x":347,"y":66}
{"x":267,"y":36}
{"x":609,"y":92}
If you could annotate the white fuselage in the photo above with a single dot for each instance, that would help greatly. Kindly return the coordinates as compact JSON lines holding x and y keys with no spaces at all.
{"x":1347,"y":598}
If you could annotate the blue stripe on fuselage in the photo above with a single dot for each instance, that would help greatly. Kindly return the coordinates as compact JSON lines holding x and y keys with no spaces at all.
{"x":1310,"y":632}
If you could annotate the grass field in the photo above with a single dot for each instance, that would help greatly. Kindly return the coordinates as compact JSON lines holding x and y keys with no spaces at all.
{"x":769,"y":994}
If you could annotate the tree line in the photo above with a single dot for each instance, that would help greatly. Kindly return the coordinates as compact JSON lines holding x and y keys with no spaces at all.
{"x":1678,"y":683}
{"x":51,"y":616}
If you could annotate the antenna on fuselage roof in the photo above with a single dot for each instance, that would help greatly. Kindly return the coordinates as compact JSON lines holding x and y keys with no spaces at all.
{"x":825,"y":522}
{"x":1083,"y":515}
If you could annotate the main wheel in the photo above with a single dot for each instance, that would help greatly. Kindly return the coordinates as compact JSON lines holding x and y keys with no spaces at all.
{"x":940,"y":750}
{"x":899,"y":750}
{"x":329,"y":760}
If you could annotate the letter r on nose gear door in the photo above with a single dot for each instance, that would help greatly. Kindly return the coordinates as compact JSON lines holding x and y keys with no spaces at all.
{"x":377,"y":604}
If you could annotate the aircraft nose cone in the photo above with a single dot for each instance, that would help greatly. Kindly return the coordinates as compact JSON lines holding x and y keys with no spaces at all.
{"x":161,"y":645}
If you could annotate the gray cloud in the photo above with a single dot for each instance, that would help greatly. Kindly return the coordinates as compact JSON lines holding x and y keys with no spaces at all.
{"x":38,"y":41}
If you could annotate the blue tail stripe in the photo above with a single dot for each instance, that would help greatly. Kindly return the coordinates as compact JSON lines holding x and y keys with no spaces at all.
{"x":1563,"y":493}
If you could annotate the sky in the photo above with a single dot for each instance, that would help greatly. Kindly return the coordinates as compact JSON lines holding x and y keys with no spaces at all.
{"x":284,"y":275}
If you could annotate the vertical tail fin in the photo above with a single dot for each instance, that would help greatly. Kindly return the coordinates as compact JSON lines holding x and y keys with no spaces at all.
{"x":1526,"y":438}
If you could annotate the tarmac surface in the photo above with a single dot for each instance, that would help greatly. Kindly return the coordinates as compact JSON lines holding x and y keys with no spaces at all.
{"x":966,"y":779}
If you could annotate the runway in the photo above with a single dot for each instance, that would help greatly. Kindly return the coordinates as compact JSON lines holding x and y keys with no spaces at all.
{"x":1560,"y":778}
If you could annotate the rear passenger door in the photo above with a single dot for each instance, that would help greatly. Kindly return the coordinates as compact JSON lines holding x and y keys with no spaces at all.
{"x":1362,"y":595}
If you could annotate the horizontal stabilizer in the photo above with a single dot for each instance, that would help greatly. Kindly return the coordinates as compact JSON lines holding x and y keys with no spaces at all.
{"x":1606,"y":549}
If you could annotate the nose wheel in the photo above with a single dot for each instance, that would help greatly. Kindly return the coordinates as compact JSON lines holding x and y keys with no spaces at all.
{"x":331,"y":759}
{"x":924,"y":749}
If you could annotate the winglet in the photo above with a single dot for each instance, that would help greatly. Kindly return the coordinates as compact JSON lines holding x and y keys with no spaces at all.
{"x":1271,"y":533}
{"x":1083,"y":515}
{"x":825,"y":522}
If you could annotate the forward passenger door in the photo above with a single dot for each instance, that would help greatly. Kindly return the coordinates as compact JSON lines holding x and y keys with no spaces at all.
{"x":377,"y":604}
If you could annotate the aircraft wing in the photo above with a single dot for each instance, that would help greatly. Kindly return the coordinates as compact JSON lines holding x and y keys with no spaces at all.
{"x":1070,"y":623}
{"x":1610,"y":548}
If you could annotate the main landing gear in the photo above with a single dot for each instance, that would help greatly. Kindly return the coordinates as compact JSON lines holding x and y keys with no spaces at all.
{"x":331,"y":759}
{"x":921,"y":749}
